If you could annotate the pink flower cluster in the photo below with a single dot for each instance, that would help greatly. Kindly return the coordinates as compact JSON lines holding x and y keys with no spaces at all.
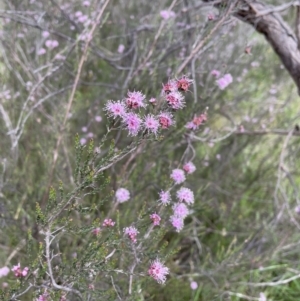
{"x":210,"y":16}
{"x":224,"y":81}
{"x":43,"y":297}
{"x":215,"y":73}
{"x":165,"y":120}
{"x":194,"y":285}
{"x":150,"y":123}
{"x":189,"y":167}
{"x":178,"y":176}
{"x":135,"y":100}
{"x":4,"y":271}
{"x":196,"y":122}
{"x":122,"y":195}
{"x":108,"y":222}
{"x":164,"y":197}
{"x":184,"y":195}
{"x":158,"y":271}
{"x":155,"y":219}
{"x":180,"y":210}
{"x":132,"y":233}
{"x":167,"y":14}
{"x":51,"y":44}
{"x":19,"y":272}
{"x":96,"y":231}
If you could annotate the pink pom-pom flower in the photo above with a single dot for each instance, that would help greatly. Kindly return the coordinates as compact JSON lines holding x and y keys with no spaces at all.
{"x":158,"y":271}
{"x":155,"y":219}
{"x":185,"y":195}
{"x":132,"y":233}
{"x":122,"y":195}
{"x":189,"y":167}
{"x":178,"y":176}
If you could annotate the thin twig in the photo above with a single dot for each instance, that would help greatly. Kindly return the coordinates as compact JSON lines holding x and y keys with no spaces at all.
{"x":202,"y":42}
{"x":48,"y":241}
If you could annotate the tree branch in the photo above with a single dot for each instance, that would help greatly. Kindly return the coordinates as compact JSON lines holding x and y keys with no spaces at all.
{"x":298,"y":25}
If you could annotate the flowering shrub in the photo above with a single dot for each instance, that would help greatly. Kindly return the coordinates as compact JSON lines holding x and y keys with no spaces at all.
{"x":159,"y":198}
{"x":128,"y":115}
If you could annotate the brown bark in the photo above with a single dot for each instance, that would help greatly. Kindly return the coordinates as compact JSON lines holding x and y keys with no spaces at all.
{"x":276,"y":31}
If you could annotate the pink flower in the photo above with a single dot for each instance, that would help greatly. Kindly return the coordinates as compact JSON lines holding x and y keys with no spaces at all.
{"x":185,"y":195}
{"x":86,"y":3}
{"x":98,"y":118}
{"x":184,"y":83}
{"x":132,"y":123}
{"x":165,"y":120}
{"x":151,"y":124}
{"x":83,"y":141}
{"x":155,"y":219}
{"x":131,"y":232}
{"x":45,"y":34}
{"x":158,"y":271}
{"x":82,"y":18}
{"x":152,"y":100}
{"x":190,"y":125}
{"x":78,"y":14}
{"x":108,"y":222}
{"x":175,"y":100}
{"x":262,"y":297}
{"x":43,"y":297}
{"x":121,"y":48}
{"x":96,"y":231}
{"x":122,"y":195}
{"x":19,"y":272}
{"x":210,"y":16}
{"x":178,"y":176}
{"x":194,"y":285}
{"x":196,"y":122}
{"x":115,"y":109}
{"x":170,"y":86}
{"x":180,"y":210}
{"x":135,"y":100}
{"x":177,"y":222}
{"x":189,"y":167}
{"x":51,"y":44}
{"x":224,"y":81}
{"x":91,"y":286}
{"x":60,"y":57}
{"x":167,"y":14}
{"x":164,"y":197}
{"x":215,"y":73}
{"x":84,"y":36}
{"x":41,"y":51}
{"x":4,"y":271}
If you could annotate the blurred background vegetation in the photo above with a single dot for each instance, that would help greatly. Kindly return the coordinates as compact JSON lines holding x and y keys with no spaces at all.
{"x":242,"y":238}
